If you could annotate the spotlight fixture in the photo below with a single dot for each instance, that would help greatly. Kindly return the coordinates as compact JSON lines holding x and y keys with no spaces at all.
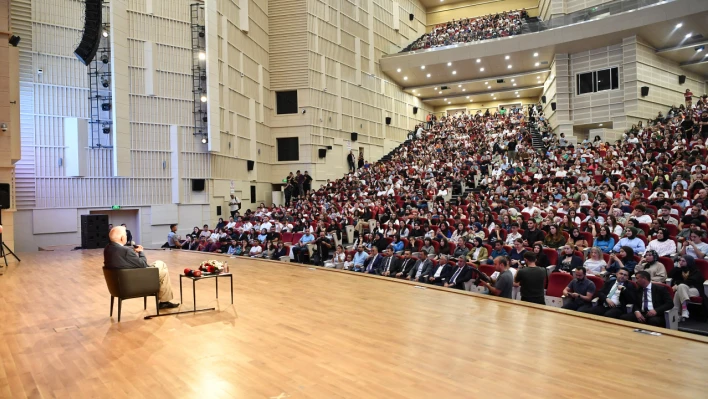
{"x":418,"y":94}
{"x":467,"y":97}
{"x":514,"y":85}
{"x":202,"y":55}
{"x":106,"y":107}
{"x":600,"y":124}
{"x":535,"y":54}
{"x":428,"y":75}
{"x":513,"y":80}
{"x":105,"y":33}
{"x":106,"y":128}
{"x":398,"y":70}
{"x":508,"y":66}
{"x":459,"y":85}
{"x":440,"y":92}
{"x":449,"y":102}
{"x":14,"y":40}
{"x":449,"y":64}
{"x":454,"y":72}
{"x":481,"y":69}
{"x":688,"y":35}
{"x":700,"y":48}
{"x":204,"y":119}
{"x":463,"y":89}
{"x":506,"y":58}
{"x":444,"y":99}
{"x":203,"y":98}
{"x":201,"y":33}
{"x":537,"y":64}
{"x":479,"y":60}
{"x":104,"y":58}
{"x":435,"y":88}
{"x":679,"y":25}
{"x":422,"y":67}
{"x":205,"y":140}
{"x":405,"y":78}
{"x":105,"y":82}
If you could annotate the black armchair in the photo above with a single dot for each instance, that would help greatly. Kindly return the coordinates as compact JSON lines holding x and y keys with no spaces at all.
{"x":133,"y":283}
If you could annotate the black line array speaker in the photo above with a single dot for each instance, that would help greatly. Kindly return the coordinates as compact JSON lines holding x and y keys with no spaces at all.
{"x":218,"y":210}
{"x":322,"y":152}
{"x":543,"y":99}
{"x":250,"y":165}
{"x":645,"y":91}
{"x":388,"y":120}
{"x":500,"y":80}
{"x":355,"y":136}
{"x":329,"y":147}
{"x":198,"y":184}
{"x":5,"y":196}
{"x":553,"y":106}
{"x":415,"y":110}
{"x":411,"y":17}
{"x":91,"y":37}
{"x":94,"y":231}
{"x":682,"y":79}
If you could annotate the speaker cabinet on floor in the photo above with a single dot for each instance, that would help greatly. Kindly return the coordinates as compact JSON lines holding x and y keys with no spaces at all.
{"x":94,"y":231}
{"x":91,"y":37}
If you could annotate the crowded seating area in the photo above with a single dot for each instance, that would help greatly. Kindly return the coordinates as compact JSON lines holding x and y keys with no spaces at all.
{"x":470,"y":188}
{"x":505,"y":24}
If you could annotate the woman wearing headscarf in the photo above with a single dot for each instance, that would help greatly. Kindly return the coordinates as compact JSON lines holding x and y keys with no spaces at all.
{"x":650,"y":263}
{"x":478,"y":253}
{"x":623,"y":259}
{"x":577,"y":241}
{"x":662,"y":244}
{"x":685,"y":281}
{"x":630,"y":240}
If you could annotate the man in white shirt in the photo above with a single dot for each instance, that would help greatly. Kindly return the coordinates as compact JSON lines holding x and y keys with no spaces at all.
{"x":614,"y":298}
{"x":512,"y":235}
{"x":266,"y":224}
{"x":640,"y":215}
{"x":530,"y":209}
{"x":234,"y":205}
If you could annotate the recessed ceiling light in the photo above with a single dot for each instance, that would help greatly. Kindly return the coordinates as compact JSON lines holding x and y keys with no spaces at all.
{"x":678,"y":25}
{"x":688,"y":35}
{"x":601,"y":124}
{"x":479,"y":60}
{"x":435,"y":88}
{"x":516,"y":92}
{"x":454,"y":72}
{"x":508,"y":66}
{"x":428,"y":75}
{"x":444,"y":99}
{"x":440,"y":92}
{"x":538,"y":77}
{"x":449,"y":64}
{"x":535,"y":54}
{"x":418,"y":94}
{"x":537,"y":64}
{"x":405,"y":78}
{"x":467,"y":97}
{"x":422,"y":67}
{"x":471,"y":101}
{"x":513,"y":80}
{"x":463,"y":89}
{"x":449,"y":102}
{"x":506,"y":58}
{"x":514,"y":85}
{"x":481,"y":69}
{"x":459,"y":85}
{"x":517,"y":96}
{"x":398,"y":70}
{"x":486,"y":83}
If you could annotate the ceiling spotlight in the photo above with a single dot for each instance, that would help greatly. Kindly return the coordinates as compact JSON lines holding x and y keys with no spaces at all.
{"x":481,"y":69}
{"x":422,"y":67}
{"x":513,"y":80}
{"x":463,"y":89}
{"x":204,"y":140}
{"x":14,"y":40}
{"x":449,"y":102}
{"x":535,"y":54}
{"x":467,"y":97}
{"x":398,"y":70}
{"x":678,"y":25}
{"x":449,"y":64}
{"x":106,"y":107}
{"x":538,"y":77}
{"x":600,"y":124}
{"x":428,"y":75}
{"x":435,"y":88}
{"x":508,"y":66}
{"x":537,"y":64}
{"x":454,"y":72}
{"x":105,"y":33}
{"x":506,"y":58}
{"x":688,"y":35}
{"x":516,"y":92}
{"x":202,"y":55}
{"x":106,"y":128}
{"x":418,"y":94}
{"x":444,"y":99}
{"x":486,"y":83}
{"x":700,"y":48}
{"x":104,"y":58}
{"x":479,"y":60}
{"x":405,"y":78}
{"x":517,"y":96}
{"x":459,"y":85}
{"x":105,"y":82}
{"x":440,"y":92}
{"x":203,"y":98}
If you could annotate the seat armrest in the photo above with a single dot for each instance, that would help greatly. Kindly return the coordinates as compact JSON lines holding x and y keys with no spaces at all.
{"x":668,"y":281}
{"x":705,"y":287}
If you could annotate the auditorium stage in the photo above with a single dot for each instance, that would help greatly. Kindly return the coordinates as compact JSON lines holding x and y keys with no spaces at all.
{"x":295,"y":332}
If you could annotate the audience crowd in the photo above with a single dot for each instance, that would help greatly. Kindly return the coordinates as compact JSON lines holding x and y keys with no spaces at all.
{"x":468,"y":198}
{"x":467,"y":30}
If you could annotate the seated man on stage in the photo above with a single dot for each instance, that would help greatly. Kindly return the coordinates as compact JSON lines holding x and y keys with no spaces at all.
{"x":117,"y":256}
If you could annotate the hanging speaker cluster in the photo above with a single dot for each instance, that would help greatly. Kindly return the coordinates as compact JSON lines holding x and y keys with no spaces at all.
{"x":91,"y":37}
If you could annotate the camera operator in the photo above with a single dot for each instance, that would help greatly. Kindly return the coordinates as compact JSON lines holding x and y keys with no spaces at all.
{"x":323,"y":245}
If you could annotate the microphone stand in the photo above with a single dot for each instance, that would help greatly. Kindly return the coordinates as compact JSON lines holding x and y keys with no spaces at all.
{"x":4,"y":247}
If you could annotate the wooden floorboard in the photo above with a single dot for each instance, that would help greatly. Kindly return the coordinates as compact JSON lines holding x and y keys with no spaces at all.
{"x":296,"y":332}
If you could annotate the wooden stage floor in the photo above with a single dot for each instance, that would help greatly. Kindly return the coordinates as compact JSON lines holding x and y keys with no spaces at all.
{"x":295,"y":332}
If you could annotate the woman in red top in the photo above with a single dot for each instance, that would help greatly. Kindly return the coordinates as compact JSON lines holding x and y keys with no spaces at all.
{"x":688,"y":96}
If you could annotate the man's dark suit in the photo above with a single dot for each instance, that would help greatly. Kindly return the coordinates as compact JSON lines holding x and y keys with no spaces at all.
{"x":445,"y":274}
{"x":661,"y":301}
{"x":116,"y":256}
{"x":426,"y":271}
{"x":627,"y":297}
{"x":373,"y":265}
{"x":391,"y":264}
{"x":405,"y":267}
{"x":458,"y":281}
{"x":533,"y":236}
